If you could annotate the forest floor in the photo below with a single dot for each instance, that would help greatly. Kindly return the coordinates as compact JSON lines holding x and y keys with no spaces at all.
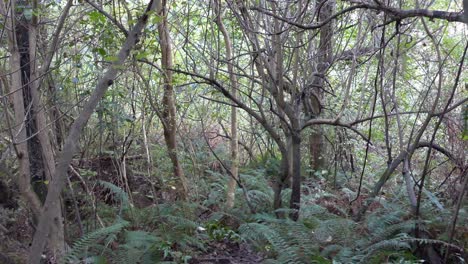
{"x":227,"y":252}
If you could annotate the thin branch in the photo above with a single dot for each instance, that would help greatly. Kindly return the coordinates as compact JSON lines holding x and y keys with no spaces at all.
{"x":227,"y":169}
{"x":71,"y":142}
{"x":393,"y":13}
{"x":111,"y":18}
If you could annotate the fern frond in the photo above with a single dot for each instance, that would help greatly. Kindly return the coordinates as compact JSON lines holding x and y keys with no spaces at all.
{"x":181,"y":222}
{"x":397,"y":243}
{"x":260,"y":200}
{"x":80,"y":247}
{"x":138,"y":248}
{"x":314,"y":210}
{"x":120,"y":194}
{"x":256,"y":231}
{"x":388,"y":231}
{"x":433,"y":241}
{"x":330,"y":249}
{"x":337,"y":229}
{"x":269,"y":218}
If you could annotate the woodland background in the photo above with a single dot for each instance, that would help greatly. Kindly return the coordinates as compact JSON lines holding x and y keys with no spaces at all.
{"x":211,"y":131}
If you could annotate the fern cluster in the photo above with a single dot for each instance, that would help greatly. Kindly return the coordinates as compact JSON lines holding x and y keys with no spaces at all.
{"x":94,"y":245}
{"x":323,"y":237}
{"x":150,"y":235}
{"x":324,"y":233}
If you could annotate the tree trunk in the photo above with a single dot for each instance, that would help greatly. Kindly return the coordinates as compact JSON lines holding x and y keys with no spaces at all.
{"x":295,"y":202}
{"x":37,"y":161}
{"x":36,"y":165}
{"x":231,"y":190}
{"x":169,"y":109}
{"x":315,"y":149}
{"x":279,"y":184}
{"x":19,"y":133}
{"x":324,"y":59}
{"x":70,"y":147}
{"x":56,"y":238}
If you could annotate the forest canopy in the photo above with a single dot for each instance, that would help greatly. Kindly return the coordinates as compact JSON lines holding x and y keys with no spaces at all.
{"x":210,"y":131}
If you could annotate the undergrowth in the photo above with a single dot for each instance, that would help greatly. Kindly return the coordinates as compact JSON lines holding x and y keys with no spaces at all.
{"x":177,"y":232}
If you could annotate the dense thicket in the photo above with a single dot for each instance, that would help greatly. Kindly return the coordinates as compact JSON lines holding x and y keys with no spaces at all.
{"x":233,"y":131}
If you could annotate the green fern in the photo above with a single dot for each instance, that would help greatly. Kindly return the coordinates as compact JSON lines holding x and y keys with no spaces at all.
{"x":398,"y":243}
{"x":257,"y":232}
{"x":139,"y":247}
{"x":118,"y":193}
{"x":260,"y":200}
{"x":390,"y":230}
{"x":330,"y":250}
{"x":81,"y":248}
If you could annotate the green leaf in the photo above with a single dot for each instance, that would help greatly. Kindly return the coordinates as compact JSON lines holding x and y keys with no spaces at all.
{"x":101,"y":51}
{"x":320,"y":260}
{"x":100,"y":260}
{"x":111,"y":58}
{"x":96,"y":17}
{"x":142,"y":55}
{"x":156,"y":19}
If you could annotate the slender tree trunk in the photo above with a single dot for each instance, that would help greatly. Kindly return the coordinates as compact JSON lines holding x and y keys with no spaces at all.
{"x":269,"y":67}
{"x":56,"y":238}
{"x":19,"y":133}
{"x":169,"y":109}
{"x":231,"y":190}
{"x":39,"y":158}
{"x":315,"y":148}
{"x":409,"y":184}
{"x":289,"y":179}
{"x":70,"y":147}
{"x":278,"y":185}
{"x":34,"y":150}
{"x":36,"y":164}
{"x":406,"y":173}
{"x":296,"y":174}
{"x":324,"y":57}
{"x":55,"y":116}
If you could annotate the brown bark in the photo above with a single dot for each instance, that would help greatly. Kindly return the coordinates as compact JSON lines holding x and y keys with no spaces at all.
{"x":36,"y":165}
{"x":406,"y":173}
{"x":168,"y":103}
{"x":71,"y":141}
{"x":34,"y":150}
{"x":278,"y":185}
{"x":393,"y":13}
{"x":324,"y":59}
{"x":19,"y":134}
{"x":231,"y":190}
{"x":56,"y":239}
{"x":296,"y":174}
{"x":315,"y":147}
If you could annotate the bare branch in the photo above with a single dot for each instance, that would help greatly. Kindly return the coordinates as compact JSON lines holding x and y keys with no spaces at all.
{"x":393,"y":13}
